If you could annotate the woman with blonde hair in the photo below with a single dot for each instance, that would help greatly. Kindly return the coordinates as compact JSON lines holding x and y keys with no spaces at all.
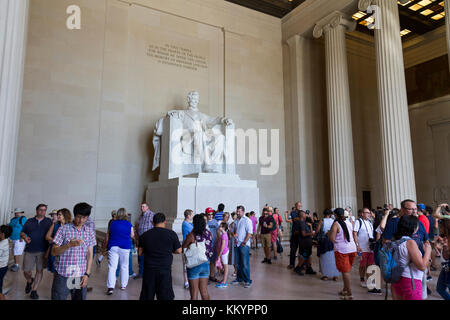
{"x":119,"y":243}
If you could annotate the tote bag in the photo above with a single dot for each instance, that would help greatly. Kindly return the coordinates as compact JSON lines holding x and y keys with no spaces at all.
{"x":195,"y":254}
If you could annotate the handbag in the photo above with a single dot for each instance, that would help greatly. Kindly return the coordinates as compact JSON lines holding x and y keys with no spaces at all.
{"x":279,"y":246}
{"x":195,"y":254}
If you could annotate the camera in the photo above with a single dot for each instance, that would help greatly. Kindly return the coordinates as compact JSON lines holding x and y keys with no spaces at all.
{"x":372,"y":244}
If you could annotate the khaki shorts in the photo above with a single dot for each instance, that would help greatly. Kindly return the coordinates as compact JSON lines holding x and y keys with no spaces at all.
{"x":265,"y":240}
{"x":30,"y":259}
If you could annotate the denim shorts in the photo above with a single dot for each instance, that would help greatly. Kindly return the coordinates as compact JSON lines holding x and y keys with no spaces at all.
{"x":199,"y":272}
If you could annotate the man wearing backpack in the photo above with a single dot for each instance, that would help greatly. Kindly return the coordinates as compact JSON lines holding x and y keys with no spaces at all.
{"x":408,"y":207}
{"x":17,"y":224}
{"x":265,"y":226}
{"x":363,"y":233}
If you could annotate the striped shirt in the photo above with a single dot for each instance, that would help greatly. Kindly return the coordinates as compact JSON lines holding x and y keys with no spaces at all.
{"x":73,"y":262}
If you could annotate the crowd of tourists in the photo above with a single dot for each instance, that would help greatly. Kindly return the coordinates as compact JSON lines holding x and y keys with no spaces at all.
{"x":216,"y":247}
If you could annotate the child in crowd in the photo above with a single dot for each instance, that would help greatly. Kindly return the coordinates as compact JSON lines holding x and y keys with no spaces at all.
{"x":223,"y":253}
{"x":5,"y":233}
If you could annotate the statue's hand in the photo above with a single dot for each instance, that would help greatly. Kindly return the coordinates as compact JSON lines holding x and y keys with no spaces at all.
{"x":172,"y":113}
{"x":228,"y":122}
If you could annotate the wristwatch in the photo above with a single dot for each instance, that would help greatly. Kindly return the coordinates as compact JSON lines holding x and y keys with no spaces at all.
{"x":87,"y":274}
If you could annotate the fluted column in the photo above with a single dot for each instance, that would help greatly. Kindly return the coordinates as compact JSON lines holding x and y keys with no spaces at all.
{"x":340,"y":140}
{"x":447,"y":25}
{"x":13,"y":29}
{"x":399,"y":182}
{"x":300,"y":190}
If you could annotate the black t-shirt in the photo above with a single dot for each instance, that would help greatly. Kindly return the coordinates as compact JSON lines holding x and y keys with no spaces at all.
{"x":304,"y":228}
{"x":159,"y":245}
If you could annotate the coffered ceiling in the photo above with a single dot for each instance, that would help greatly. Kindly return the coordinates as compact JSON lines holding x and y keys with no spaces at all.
{"x":416,"y":16}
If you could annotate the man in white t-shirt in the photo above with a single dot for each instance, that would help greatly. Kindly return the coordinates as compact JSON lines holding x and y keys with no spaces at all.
{"x":362,"y":232}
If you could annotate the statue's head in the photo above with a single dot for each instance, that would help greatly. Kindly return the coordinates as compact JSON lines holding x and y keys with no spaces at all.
{"x":193,"y":99}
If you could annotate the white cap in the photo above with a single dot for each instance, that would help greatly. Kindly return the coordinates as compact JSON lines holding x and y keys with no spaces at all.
{"x":17,"y":210}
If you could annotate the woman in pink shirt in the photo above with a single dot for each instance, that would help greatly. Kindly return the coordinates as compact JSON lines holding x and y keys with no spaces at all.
{"x":223,"y":253}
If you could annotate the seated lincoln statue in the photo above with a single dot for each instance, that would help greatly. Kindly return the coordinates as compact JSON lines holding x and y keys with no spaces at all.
{"x":193,"y":142}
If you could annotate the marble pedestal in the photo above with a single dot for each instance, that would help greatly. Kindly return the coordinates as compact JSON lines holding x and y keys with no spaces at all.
{"x":199,"y":191}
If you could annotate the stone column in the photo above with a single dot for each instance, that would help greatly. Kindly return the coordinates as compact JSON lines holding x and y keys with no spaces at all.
{"x":447,"y":24}
{"x":13,"y":30}
{"x":342,"y":166}
{"x":299,"y":167}
{"x":399,"y":182}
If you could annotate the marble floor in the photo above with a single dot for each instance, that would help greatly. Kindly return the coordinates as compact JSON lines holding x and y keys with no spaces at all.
{"x":270,"y":282}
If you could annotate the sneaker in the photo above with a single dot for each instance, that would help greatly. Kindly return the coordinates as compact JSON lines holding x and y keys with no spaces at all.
{"x":123,"y":288}
{"x":264,"y":261}
{"x":221,"y":285}
{"x":34,"y":295}
{"x":290,"y":266}
{"x":248,"y":284}
{"x":236,"y":282}
{"x":137,"y":277}
{"x":269,"y":261}
{"x":310,"y":270}
{"x":363,"y":284}
{"x":299,"y":271}
{"x":110,"y":291}
{"x":275,"y":258}
{"x":28,"y":287}
{"x":375,"y":291}
{"x":14,"y":268}
{"x":133,"y":275}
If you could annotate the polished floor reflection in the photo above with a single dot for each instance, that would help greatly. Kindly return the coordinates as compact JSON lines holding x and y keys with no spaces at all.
{"x":270,"y":282}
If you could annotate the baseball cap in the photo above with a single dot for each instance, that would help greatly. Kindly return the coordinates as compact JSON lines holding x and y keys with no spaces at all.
{"x":55,"y":211}
{"x":17,"y":210}
{"x":421,"y":206}
{"x":209,"y":210}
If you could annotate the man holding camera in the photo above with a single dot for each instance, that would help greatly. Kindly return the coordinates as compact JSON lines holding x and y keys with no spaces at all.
{"x":363,"y":235}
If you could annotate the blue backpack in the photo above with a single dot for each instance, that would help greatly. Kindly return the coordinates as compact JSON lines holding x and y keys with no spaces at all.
{"x":390,"y":265}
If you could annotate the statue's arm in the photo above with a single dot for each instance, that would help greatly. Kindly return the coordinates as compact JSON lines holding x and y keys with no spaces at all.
{"x":211,"y":122}
{"x":157,"y":133}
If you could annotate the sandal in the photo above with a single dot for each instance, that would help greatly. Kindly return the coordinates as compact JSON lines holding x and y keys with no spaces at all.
{"x":347,"y":297}
{"x":324,"y":278}
{"x":342,"y":293}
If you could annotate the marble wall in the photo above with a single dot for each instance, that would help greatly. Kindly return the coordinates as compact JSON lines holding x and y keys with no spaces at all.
{"x":92,"y":96}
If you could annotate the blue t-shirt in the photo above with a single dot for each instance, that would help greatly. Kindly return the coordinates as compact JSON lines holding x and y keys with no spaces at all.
{"x":17,"y":224}
{"x":219,"y":216}
{"x":186,"y":228}
{"x":119,"y":234}
{"x":420,"y":236}
{"x":213,"y":226}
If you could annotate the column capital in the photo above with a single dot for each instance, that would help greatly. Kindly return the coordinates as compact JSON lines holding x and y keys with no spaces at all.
{"x":363,"y":5}
{"x":332,"y":21}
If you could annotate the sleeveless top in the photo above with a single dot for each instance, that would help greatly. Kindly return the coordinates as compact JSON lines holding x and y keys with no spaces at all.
{"x":341,"y":245}
{"x":406,"y":260}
